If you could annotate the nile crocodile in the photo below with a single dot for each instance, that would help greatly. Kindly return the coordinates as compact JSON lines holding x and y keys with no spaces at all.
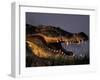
{"x":46,"y":41}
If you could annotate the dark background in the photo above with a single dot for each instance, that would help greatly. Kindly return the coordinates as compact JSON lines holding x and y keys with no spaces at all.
{"x":69,"y":22}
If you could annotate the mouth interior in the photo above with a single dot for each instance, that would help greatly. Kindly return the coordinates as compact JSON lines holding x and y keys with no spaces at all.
{"x":65,"y":47}
{"x":81,"y":49}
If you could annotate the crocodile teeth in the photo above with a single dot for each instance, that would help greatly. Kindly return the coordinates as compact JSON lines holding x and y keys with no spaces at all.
{"x":57,"y":51}
{"x":60,"y":40}
{"x":69,"y":42}
{"x":73,"y":54}
{"x":57,"y":41}
{"x":62,"y":52}
{"x":54,"y":50}
{"x":79,"y":42}
{"x":63,"y":40}
{"x":66,"y":43}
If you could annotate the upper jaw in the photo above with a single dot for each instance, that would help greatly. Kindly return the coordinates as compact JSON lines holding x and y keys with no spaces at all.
{"x":65,"y":41}
{"x":74,"y":39}
{"x":71,"y":40}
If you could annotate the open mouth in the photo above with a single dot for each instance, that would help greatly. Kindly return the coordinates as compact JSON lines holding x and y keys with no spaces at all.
{"x":54,"y":45}
{"x":60,"y":46}
{"x":51,"y":39}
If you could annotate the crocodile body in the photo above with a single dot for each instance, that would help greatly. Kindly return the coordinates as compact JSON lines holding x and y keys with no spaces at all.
{"x":45,"y":41}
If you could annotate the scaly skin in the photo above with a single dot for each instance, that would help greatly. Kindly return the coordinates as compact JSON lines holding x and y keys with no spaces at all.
{"x":45,"y":41}
{"x":41,"y":50}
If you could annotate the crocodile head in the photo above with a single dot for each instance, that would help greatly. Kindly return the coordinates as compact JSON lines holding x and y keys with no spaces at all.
{"x":46,"y":41}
